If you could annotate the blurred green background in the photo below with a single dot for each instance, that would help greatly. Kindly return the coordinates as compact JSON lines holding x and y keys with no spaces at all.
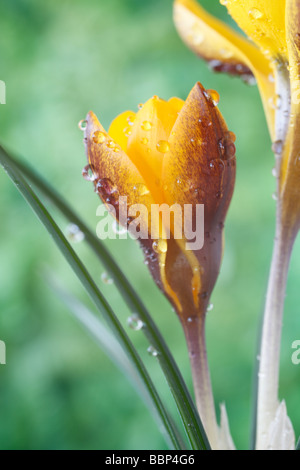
{"x":60,"y":59}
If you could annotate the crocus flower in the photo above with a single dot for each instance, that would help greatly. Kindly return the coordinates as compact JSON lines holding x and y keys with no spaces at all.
{"x":272,"y":56}
{"x":181,"y":154}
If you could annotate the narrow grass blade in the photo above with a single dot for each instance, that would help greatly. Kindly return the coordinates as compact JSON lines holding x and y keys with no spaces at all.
{"x":182,"y":397}
{"x":106,"y":341}
{"x":95,"y":294}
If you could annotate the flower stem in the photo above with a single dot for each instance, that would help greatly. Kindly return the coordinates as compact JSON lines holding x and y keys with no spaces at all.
{"x":271,"y":334}
{"x":195,"y":336}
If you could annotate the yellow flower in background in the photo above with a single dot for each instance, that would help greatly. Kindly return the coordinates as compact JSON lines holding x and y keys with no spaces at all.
{"x":171,"y":153}
{"x":272,"y":56}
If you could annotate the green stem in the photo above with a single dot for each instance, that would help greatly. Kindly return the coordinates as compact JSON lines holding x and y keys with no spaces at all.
{"x":189,"y":415}
{"x":195,"y":336}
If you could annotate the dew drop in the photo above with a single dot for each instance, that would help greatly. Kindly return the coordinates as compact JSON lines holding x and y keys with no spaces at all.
{"x":217,"y":165}
{"x":163,"y":146}
{"x":88,"y":173}
{"x":275,"y":197}
{"x":145,"y":141}
{"x":111,"y":144}
{"x":275,"y":102}
{"x":131,"y":119}
{"x":106,"y":187}
{"x":141,"y":189}
{"x":210,"y":307}
{"x":277,"y":147}
{"x":152,"y":351}
{"x":222,"y":148}
{"x":135,"y":323}
{"x":256,"y":14}
{"x":198,"y":38}
{"x":274,"y":172}
{"x":74,"y":234}
{"x":127,"y":131}
{"x":140,"y":106}
{"x":160,"y":246}
{"x":226,"y":53}
{"x":230,"y":150}
{"x":99,"y":137}
{"x":82,"y":125}
{"x":213,"y":96}
{"x":106,"y":279}
{"x":231,"y":136}
{"x":146,"y":126}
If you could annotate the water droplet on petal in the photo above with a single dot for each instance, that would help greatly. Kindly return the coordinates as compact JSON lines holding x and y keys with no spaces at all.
{"x":277,"y":147}
{"x":127,"y":131}
{"x":146,"y":126}
{"x":74,"y":234}
{"x":275,"y":102}
{"x":106,"y":279}
{"x":275,"y":196}
{"x":82,"y":124}
{"x":131,"y":119}
{"x":163,"y":146}
{"x":217,"y":165}
{"x":111,"y":144}
{"x":160,"y":246}
{"x":141,"y":189}
{"x":135,"y":323}
{"x":99,"y":137}
{"x":256,"y":14}
{"x":226,"y":53}
{"x":212,"y":96}
{"x":88,"y":173}
{"x":107,"y":189}
{"x":145,"y":141}
{"x":210,"y":307}
{"x":231,"y":136}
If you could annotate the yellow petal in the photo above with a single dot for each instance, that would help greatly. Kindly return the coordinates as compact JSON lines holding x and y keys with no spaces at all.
{"x":120,"y":128}
{"x":264,"y":22}
{"x":225,"y":49}
{"x":148,"y":142}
